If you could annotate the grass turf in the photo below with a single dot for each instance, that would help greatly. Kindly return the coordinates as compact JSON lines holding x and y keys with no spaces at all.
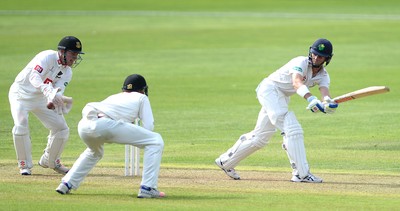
{"x":203,"y":60}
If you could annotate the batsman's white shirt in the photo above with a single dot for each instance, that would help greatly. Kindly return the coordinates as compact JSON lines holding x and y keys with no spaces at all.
{"x":110,"y":121}
{"x":283,"y":76}
{"x":44,"y":68}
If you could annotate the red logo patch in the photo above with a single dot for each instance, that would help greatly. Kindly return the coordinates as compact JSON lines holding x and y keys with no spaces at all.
{"x":47,"y":81}
{"x":39,"y":68}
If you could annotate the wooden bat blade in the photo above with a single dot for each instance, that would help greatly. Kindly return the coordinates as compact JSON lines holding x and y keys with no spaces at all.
{"x":372,"y":90}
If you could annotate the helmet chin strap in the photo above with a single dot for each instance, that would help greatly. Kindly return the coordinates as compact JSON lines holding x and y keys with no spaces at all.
{"x":65,"y":58}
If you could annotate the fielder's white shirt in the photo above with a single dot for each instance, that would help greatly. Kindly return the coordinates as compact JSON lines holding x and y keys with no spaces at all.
{"x":44,"y":68}
{"x":127,"y":107}
{"x":301,"y":65}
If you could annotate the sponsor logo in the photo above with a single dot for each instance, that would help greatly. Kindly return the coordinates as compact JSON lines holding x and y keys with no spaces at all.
{"x":66,"y":84}
{"x":298,"y":69}
{"x":59,"y":74}
{"x":47,"y":81}
{"x":38,"y":68}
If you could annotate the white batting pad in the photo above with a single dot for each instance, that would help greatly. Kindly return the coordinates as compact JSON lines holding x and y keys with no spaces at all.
{"x":294,"y":142}
{"x":245,"y":146}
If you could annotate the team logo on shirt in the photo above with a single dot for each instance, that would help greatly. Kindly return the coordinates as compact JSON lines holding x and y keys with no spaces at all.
{"x":38,"y":68}
{"x":47,"y":81}
{"x":59,"y":74}
{"x":297,"y":68}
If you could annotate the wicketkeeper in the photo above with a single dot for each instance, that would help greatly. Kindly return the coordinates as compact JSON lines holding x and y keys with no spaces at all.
{"x":39,"y":86}
{"x":273,"y":93}
{"x":112,"y":121}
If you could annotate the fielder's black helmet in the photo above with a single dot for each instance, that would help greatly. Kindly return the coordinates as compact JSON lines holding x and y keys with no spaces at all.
{"x":322,"y":47}
{"x":134,"y":83}
{"x":70,"y":43}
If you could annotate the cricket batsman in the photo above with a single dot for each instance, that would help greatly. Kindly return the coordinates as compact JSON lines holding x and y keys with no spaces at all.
{"x":273,"y":93}
{"x":39,"y":89}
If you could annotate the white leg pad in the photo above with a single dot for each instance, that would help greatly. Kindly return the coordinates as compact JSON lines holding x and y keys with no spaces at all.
{"x":295,"y":144}
{"x":55,"y":146}
{"x":245,"y":146}
{"x":23,"y":146}
{"x":292,"y":164}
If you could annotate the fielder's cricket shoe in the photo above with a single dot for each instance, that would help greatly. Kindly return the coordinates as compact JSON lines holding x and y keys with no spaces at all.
{"x":147,"y":192}
{"x":230,"y":172}
{"x":64,"y":188}
{"x":59,"y":168}
{"x":25,"y":171}
{"x":309,"y":178}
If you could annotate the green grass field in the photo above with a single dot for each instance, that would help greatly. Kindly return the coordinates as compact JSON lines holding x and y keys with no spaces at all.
{"x":202,"y":61}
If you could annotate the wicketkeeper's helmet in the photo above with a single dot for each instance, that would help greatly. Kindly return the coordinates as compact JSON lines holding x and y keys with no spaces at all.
{"x":322,"y":47}
{"x":135,"y":83}
{"x":70,"y":43}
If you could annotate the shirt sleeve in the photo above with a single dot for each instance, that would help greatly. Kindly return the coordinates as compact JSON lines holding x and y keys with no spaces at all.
{"x":146,"y":114}
{"x":39,"y":69}
{"x":297,"y":65}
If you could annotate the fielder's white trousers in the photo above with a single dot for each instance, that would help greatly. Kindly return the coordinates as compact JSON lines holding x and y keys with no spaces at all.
{"x":96,"y":131}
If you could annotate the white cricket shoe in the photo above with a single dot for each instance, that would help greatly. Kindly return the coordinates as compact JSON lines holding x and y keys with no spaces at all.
{"x":230,"y":172}
{"x":60,"y":168}
{"x":25,"y":171}
{"x":64,"y":188}
{"x":309,"y":178}
{"x":147,"y":192}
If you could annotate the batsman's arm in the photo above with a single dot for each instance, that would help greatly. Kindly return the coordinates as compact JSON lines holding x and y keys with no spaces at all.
{"x":298,"y":85}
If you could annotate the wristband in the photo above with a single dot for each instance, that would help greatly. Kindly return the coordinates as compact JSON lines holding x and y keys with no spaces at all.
{"x":302,"y":90}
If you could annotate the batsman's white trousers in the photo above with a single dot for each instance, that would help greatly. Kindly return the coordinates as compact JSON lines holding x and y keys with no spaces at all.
{"x":95,"y":131}
{"x":272,"y":116}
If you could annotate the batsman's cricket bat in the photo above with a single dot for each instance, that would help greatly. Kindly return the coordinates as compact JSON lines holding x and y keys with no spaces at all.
{"x":372,"y":90}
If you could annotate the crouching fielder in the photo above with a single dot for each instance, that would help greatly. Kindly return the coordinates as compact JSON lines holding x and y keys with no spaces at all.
{"x":273,"y":94}
{"x":112,"y":121}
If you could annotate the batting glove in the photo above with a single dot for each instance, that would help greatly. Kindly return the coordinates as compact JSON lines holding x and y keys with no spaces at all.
{"x":329,"y":105}
{"x":315,"y":105}
{"x":52,"y":94}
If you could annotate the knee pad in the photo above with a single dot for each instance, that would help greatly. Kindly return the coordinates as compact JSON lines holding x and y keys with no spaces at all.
{"x":20,"y":130}
{"x":291,"y":126}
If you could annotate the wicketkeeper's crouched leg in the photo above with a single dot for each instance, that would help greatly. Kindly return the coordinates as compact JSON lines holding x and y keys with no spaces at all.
{"x":55,"y":146}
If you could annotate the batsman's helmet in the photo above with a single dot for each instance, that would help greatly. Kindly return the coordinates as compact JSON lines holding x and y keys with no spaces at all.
{"x":135,"y":83}
{"x":322,"y":47}
{"x":70,"y":43}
